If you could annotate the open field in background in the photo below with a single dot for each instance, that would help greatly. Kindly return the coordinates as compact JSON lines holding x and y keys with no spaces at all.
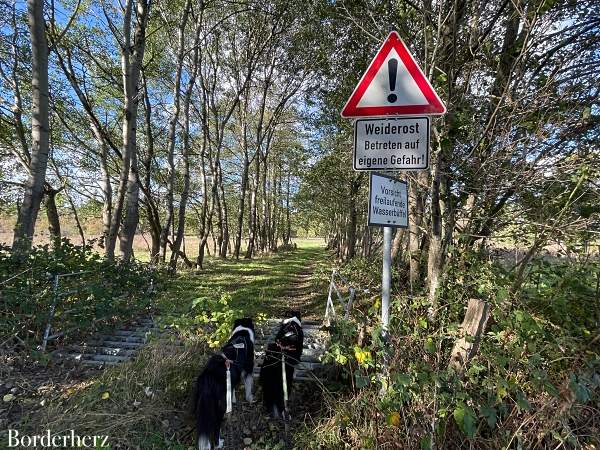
{"x":141,"y":243}
{"x":503,"y":249}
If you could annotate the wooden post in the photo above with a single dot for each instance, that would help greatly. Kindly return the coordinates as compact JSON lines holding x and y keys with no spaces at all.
{"x":472,"y":329}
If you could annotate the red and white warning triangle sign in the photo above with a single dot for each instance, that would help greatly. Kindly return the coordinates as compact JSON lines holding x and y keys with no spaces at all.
{"x":394,"y":84}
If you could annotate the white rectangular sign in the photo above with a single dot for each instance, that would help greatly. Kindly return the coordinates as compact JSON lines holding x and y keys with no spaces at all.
{"x":388,"y":202}
{"x":391,"y":144}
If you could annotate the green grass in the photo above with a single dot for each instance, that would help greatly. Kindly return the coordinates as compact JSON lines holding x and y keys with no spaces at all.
{"x":268,"y":285}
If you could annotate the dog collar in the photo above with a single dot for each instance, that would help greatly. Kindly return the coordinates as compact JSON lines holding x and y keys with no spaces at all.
{"x":241,"y":328}
{"x":292,"y":319}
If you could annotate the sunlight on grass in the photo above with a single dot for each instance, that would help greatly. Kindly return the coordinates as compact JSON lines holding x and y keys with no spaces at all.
{"x":269,"y":284}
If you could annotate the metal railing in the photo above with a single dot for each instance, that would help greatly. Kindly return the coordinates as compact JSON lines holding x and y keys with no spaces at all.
{"x":345,"y":303}
{"x":56,"y":295}
{"x":5,"y":282}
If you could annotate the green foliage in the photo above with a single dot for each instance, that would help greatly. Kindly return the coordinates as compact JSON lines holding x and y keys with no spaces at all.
{"x":362,"y":272}
{"x":536,"y":364}
{"x":466,"y":419}
{"x":210,"y":317}
{"x":93,"y":292}
{"x":343,"y":336}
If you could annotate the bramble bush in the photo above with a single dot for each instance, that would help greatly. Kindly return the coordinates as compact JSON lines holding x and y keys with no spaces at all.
{"x":103,"y":292}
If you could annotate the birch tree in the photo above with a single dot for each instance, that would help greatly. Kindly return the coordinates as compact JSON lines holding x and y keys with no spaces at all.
{"x":34,"y":186}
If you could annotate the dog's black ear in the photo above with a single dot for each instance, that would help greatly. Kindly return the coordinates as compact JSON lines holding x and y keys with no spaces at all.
{"x":244,"y":322}
{"x":249,"y":323}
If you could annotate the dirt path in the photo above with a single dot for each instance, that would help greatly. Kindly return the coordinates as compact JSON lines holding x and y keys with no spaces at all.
{"x":304,"y":292}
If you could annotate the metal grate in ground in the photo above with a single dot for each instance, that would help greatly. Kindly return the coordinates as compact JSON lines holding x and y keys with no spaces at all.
{"x":123,"y":343}
{"x":112,"y":347}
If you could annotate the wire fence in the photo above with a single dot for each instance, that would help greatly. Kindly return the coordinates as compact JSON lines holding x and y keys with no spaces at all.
{"x":39,"y":303}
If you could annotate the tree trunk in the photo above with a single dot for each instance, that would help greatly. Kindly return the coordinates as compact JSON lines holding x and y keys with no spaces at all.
{"x":152,"y":213}
{"x":106,"y":188}
{"x":207,"y":214}
{"x":172,"y":133}
{"x":288,"y":232}
{"x":241,"y":206}
{"x":52,"y":214}
{"x":204,"y":214}
{"x":76,"y":217}
{"x":397,"y":243}
{"x":472,"y":328}
{"x":352,"y":220}
{"x":435,"y":260}
{"x":218,"y":242}
{"x":274,"y":210}
{"x":417,"y":208}
{"x":224,"y":232}
{"x":266,"y":219}
{"x":131,"y":62}
{"x":132,"y":216}
{"x":34,"y":188}
{"x":155,"y":240}
{"x":252,"y":216}
{"x":186,"y":151}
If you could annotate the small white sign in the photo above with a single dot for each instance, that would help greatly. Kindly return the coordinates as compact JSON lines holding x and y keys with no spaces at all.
{"x":391,"y":144}
{"x":388,"y":202}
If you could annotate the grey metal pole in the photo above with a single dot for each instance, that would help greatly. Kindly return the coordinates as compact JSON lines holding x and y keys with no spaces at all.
{"x":386,"y":278}
{"x":386,"y":281}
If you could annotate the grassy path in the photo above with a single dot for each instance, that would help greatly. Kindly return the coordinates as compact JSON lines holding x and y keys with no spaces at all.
{"x":144,"y":403}
{"x":268,"y":285}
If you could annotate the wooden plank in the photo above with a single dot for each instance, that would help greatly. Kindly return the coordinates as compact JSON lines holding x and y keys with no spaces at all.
{"x":472,"y":328}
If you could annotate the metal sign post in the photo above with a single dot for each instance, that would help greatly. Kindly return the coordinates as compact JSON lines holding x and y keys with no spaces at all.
{"x":386,"y":279}
{"x":388,"y":207}
{"x":392,"y":103}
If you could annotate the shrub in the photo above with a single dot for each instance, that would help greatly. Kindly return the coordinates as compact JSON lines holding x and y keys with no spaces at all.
{"x":91,"y":291}
{"x":534,"y":382}
{"x":208,"y":317}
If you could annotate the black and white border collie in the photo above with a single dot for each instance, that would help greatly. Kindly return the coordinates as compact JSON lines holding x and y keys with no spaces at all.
{"x":210,"y":403}
{"x":288,"y":343}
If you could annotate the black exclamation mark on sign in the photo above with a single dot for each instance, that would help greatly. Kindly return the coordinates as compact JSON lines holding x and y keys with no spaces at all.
{"x":392,"y":69}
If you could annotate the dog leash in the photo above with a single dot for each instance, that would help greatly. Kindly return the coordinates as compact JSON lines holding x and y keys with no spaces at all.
{"x":284,"y":374}
{"x":228,"y":395}
{"x":228,"y":363}
{"x":284,"y":380}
